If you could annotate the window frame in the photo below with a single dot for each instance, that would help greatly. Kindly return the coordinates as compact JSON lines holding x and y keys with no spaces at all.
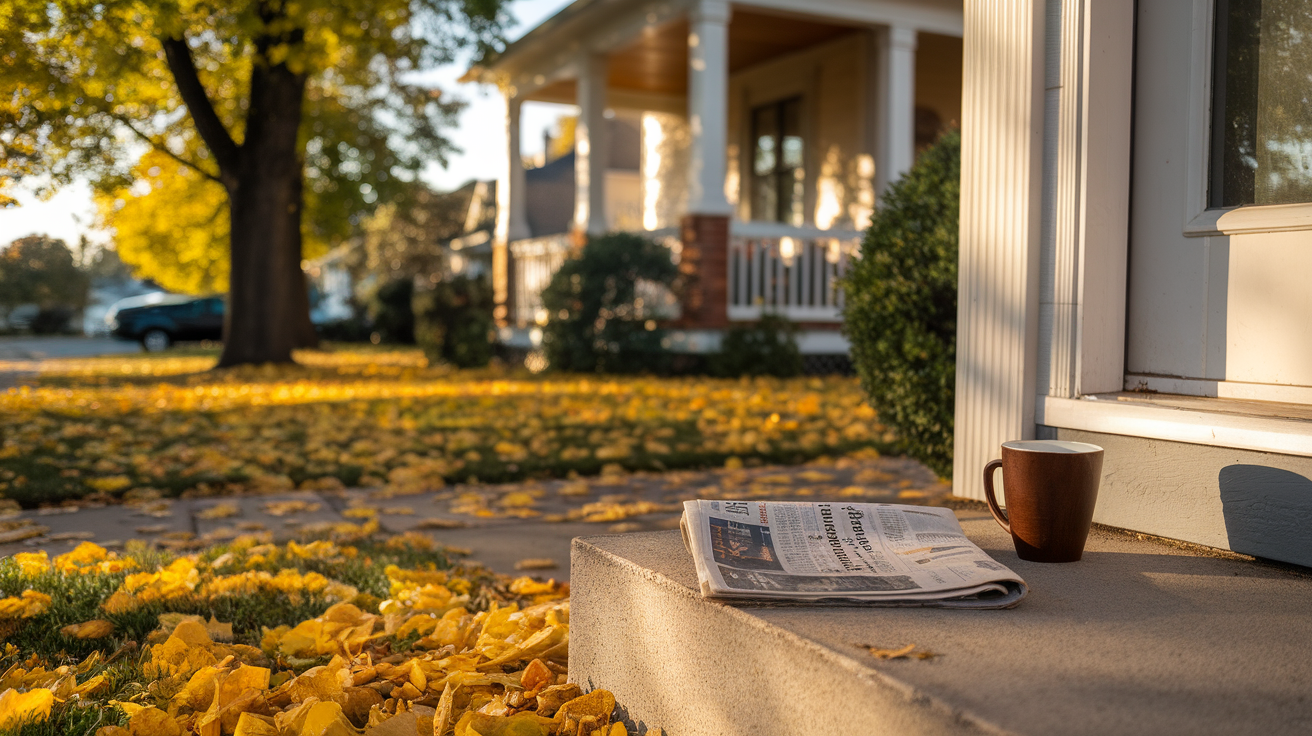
{"x":1201,"y":219}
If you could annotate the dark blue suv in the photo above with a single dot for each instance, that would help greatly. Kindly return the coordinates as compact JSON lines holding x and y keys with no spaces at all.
{"x":159,"y":320}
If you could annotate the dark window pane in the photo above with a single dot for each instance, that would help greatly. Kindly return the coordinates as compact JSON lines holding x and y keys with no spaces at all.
{"x":792,"y":134}
{"x":777,"y":158}
{"x":1262,"y":106}
{"x":765,"y":133}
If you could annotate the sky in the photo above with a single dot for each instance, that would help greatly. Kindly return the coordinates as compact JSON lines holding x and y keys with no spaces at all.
{"x":70,"y":213}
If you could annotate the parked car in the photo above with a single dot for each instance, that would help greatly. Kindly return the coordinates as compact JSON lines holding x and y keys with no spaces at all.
{"x":158,"y":320}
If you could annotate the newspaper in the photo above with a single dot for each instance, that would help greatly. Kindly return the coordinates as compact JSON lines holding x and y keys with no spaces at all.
{"x":874,"y":553}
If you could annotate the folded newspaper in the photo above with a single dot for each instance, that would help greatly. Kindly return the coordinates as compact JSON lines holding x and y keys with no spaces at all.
{"x":872,"y":553}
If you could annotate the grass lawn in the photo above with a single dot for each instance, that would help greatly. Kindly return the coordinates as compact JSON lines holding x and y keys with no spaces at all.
{"x":166,"y":424}
{"x":360,"y":636}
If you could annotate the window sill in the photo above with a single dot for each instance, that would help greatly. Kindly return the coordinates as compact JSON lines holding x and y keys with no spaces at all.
{"x":1274,"y":218}
{"x":1203,"y":422}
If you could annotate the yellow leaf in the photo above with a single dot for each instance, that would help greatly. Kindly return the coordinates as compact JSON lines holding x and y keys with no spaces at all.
{"x":28,"y":605}
{"x":219,"y":511}
{"x":94,"y":629}
{"x":153,"y":722}
{"x":32,"y":706}
{"x":250,"y":724}
{"x":31,"y":564}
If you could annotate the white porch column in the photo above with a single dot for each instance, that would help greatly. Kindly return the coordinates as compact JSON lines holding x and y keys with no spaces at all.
{"x":590,"y":146}
{"x":512,"y":218}
{"x":896,"y":85}
{"x":708,"y":106}
{"x":1001,"y":206}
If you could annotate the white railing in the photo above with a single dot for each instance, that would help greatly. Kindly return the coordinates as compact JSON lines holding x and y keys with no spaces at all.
{"x":786,"y":270}
{"x":536,"y":261}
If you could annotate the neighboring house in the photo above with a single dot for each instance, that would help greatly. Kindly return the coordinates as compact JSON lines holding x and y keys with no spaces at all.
{"x":1136,"y":257}
{"x":766,"y":131}
{"x":336,"y":279}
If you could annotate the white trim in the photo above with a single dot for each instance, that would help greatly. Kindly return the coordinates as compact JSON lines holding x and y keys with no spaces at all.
{"x":1200,"y":113}
{"x":764,"y":229}
{"x":1271,"y":218}
{"x":752,"y":313}
{"x":1220,"y":389}
{"x":1263,"y":434}
{"x":945,"y":20}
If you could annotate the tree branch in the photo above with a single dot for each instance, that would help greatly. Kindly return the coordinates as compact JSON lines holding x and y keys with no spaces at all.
{"x":207,"y":121}
{"x":158,"y":146}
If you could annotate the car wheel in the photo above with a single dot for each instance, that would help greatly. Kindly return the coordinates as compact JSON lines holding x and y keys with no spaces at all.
{"x":156,"y":340}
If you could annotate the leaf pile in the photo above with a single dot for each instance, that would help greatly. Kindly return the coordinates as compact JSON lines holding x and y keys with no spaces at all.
{"x":138,"y":424}
{"x":257,"y":639}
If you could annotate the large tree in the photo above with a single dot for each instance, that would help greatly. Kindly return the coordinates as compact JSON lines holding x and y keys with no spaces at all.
{"x":300,"y":114}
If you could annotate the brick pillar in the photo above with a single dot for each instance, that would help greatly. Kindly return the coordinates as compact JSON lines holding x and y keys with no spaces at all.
{"x":704,"y":265}
{"x":503,"y":284}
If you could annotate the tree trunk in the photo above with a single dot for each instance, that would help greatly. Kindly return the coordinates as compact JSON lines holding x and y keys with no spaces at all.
{"x":268,"y":302}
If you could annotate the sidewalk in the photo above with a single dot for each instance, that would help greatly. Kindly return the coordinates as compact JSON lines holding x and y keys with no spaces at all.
{"x":497,"y":525}
{"x":21,"y":356}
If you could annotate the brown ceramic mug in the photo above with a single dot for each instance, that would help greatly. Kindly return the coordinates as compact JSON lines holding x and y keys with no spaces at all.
{"x":1051,"y":487}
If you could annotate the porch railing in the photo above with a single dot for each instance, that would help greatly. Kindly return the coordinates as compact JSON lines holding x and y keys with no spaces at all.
{"x":536,"y":261}
{"x":786,"y":270}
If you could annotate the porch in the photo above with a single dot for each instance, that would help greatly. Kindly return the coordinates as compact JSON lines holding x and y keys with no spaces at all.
{"x":768,"y":132}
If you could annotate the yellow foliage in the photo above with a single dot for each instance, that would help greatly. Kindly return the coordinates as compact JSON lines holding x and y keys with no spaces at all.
{"x":171,"y":226}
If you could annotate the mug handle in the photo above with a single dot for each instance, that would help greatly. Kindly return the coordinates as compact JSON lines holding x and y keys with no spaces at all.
{"x":999,"y":515}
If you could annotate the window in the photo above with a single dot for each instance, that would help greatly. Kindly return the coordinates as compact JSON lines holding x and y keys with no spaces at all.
{"x":778,"y":179}
{"x":1262,"y":103}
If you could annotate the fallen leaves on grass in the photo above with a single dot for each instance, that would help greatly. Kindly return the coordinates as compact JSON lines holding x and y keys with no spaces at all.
{"x":119,"y":425}
{"x":447,"y":652}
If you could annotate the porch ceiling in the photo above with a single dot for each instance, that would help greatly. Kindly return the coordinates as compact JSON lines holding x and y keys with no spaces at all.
{"x":656,"y":62}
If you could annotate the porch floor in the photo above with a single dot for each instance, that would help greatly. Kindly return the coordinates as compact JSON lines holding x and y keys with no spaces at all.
{"x":1141,"y":637}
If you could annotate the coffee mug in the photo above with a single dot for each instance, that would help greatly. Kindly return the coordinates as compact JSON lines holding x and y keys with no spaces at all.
{"x":1051,"y":487}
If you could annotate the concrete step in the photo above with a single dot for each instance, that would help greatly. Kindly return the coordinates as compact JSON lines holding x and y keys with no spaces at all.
{"x":1140,"y":637}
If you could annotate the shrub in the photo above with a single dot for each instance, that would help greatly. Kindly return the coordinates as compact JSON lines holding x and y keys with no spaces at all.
{"x":52,"y":321}
{"x":391,"y":312}
{"x":900,"y":309}
{"x":765,"y":348}
{"x":595,"y":320}
{"x":453,"y":321}
{"x":352,"y":329}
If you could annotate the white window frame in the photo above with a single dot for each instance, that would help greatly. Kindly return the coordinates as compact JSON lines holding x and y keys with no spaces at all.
{"x":1200,"y":219}
{"x":1078,"y":409}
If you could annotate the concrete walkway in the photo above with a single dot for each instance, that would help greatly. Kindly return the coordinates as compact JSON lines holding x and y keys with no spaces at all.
{"x":498,"y":525}
{"x":20,"y":357}
{"x":1139,"y":637}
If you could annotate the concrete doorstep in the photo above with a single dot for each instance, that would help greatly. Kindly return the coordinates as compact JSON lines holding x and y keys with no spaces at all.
{"x":1139,"y":637}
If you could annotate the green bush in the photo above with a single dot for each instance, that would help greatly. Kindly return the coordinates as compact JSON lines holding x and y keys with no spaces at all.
{"x":765,"y":348}
{"x":391,"y":313}
{"x":453,"y":321}
{"x":900,"y":310}
{"x":595,"y":321}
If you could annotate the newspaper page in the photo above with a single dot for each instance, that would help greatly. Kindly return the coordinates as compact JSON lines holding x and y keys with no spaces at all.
{"x":890,"y":554}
